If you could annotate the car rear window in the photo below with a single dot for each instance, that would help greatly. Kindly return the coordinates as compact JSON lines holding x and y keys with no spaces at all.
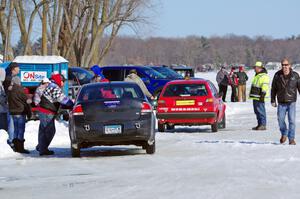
{"x":181,"y":90}
{"x":110,"y":91}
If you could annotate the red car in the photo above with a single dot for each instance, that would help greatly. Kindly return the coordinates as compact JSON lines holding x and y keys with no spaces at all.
{"x":190,"y":102}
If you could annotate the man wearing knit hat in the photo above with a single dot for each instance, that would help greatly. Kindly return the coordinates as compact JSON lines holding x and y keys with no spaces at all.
{"x":258,"y":93}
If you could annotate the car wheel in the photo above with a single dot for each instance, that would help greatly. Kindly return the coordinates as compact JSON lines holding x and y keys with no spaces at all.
{"x":214,"y":127}
{"x":161,"y":127}
{"x":150,"y":149}
{"x":75,"y":152}
{"x":170,"y":127}
{"x":222,"y":124}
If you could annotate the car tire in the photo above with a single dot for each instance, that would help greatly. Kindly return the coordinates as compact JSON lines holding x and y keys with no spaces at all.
{"x":170,"y":127}
{"x":214,"y":127}
{"x":75,"y":152}
{"x":161,"y":127}
{"x":150,"y":149}
{"x":222,"y":124}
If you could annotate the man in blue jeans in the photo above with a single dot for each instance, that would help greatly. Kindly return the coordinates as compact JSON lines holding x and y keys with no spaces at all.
{"x":285,"y":84}
{"x":51,"y":100}
{"x":259,"y":92}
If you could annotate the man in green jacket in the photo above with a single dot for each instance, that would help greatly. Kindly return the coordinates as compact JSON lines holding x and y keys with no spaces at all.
{"x":259,"y":92}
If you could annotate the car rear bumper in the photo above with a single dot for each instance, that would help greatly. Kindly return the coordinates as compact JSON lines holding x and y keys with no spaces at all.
{"x":186,"y":115}
{"x":133,"y":132}
{"x":206,"y":118}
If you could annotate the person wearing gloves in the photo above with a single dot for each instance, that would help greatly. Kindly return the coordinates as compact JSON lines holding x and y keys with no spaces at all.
{"x":51,"y":100}
{"x":39,"y":91}
{"x":258,"y":93}
{"x":133,"y":77}
{"x":285,"y":85}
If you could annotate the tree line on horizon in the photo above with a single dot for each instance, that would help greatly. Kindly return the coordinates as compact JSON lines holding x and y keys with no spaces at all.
{"x":198,"y":50}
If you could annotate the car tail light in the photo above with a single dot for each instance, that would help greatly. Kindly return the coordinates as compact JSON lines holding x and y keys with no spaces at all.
{"x":146,"y":108}
{"x":77,"y":110}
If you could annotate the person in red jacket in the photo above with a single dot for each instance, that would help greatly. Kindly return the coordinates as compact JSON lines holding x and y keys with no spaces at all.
{"x":51,"y":100}
{"x":233,"y":82}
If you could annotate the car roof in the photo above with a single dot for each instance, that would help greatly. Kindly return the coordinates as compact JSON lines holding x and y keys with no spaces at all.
{"x":125,"y":66}
{"x":182,"y":67}
{"x":110,"y":83}
{"x":190,"y":81}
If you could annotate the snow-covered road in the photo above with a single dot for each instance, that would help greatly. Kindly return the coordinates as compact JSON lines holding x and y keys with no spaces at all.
{"x":190,"y":162}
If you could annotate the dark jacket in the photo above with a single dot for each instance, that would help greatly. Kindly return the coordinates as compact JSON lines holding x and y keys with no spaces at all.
{"x":17,"y":101}
{"x":243,"y":78}
{"x":222,"y":77}
{"x":285,"y":88}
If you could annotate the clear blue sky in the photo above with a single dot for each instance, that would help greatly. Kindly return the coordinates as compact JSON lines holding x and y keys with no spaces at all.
{"x":179,"y":18}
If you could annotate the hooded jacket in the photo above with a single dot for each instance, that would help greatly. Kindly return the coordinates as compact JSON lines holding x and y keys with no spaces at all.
{"x":136,"y":79}
{"x":17,"y":99}
{"x":285,"y":88}
{"x":53,"y":96}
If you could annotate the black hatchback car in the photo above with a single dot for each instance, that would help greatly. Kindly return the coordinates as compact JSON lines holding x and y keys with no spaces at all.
{"x":113,"y":113}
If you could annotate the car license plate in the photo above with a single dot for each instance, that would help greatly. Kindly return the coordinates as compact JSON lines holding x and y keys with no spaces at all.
{"x":185,"y":102}
{"x":113,"y":129}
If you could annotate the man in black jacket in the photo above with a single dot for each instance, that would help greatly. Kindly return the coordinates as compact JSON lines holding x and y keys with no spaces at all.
{"x":243,"y":78}
{"x":285,"y":84}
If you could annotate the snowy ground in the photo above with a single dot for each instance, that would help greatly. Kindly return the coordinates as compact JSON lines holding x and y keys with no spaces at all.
{"x":190,"y":162}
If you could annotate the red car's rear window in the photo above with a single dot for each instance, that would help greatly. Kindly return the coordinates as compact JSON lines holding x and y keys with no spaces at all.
{"x":180,"y":90}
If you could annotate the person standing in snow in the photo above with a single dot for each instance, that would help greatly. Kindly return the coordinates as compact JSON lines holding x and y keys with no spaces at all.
{"x":242,"y":79}
{"x":133,"y":77}
{"x":3,"y":103}
{"x":40,"y":90}
{"x":233,"y":82}
{"x":222,"y":80}
{"x":51,"y":100}
{"x":19,"y":108}
{"x":258,"y":93}
{"x":285,"y":85}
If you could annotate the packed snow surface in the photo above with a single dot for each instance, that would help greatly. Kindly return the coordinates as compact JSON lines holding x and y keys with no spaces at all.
{"x":190,"y":162}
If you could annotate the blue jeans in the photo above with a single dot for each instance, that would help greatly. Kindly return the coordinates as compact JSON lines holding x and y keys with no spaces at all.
{"x":260,"y":112}
{"x":290,"y":110}
{"x":10,"y":129}
{"x":46,"y":131}
{"x":19,"y":126}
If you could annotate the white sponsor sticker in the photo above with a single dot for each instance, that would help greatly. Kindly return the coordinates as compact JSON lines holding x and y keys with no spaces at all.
{"x":33,"y":76}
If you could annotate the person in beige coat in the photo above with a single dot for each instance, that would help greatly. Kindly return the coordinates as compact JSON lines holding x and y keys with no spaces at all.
{"x":133,"y":77}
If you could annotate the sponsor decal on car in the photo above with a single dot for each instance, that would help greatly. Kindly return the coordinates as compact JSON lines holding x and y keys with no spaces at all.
{"x":185,"y":109}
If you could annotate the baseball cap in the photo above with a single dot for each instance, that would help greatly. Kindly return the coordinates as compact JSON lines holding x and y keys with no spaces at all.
{"x":259,"y":64}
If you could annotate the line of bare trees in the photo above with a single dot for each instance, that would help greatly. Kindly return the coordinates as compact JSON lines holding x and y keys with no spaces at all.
{"x":74,"y":29}
{"x":196,"y":51}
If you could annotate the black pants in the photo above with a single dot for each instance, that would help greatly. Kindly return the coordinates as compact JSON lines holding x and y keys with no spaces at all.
{"x":223,"y":91}
{"x":234,"y":97}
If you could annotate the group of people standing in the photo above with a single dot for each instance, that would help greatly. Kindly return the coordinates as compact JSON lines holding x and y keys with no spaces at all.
{"x":15,"y":108}
{"x":236,"y":79}
{"x":284,"y":89}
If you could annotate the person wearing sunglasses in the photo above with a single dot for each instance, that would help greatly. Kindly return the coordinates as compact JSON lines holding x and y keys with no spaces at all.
{"x":285,"y":84}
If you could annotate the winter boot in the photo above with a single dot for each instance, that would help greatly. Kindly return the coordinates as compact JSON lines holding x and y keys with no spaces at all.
{"x":16,"y":144}
{"x":261,"y":128}
{"x":283,"y":139}
{"x":12,"y":146}
{"x":21,"y":149}
{"x":292,"y":142}
{"x":255,"y":128}
{"x":48,"y":152}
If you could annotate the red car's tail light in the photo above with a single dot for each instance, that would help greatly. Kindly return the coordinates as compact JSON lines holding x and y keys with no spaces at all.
{"x":146,"y":108}
{"x":77,"y":110}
